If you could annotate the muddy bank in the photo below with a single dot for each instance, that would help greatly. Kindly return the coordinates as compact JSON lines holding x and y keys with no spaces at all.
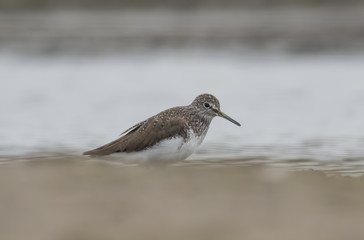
{"x":280,"y":29}
{"x":83,"y":199}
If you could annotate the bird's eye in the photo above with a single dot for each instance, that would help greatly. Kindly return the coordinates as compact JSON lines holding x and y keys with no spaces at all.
{"x":206,"y":104}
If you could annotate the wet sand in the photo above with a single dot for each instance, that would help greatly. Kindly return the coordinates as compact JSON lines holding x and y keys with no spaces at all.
{"x":77,"y":198}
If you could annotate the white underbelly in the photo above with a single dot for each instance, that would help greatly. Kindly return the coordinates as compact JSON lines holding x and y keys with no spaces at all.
{"x":169,"y":150}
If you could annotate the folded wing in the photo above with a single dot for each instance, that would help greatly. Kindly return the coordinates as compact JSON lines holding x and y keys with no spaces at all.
{"x":143,"y":136}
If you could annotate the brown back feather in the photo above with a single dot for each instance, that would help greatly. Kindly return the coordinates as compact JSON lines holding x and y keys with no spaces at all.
{"x":143,"y":136}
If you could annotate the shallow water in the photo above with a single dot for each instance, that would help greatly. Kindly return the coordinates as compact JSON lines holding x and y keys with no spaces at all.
{"x":300,"y":112}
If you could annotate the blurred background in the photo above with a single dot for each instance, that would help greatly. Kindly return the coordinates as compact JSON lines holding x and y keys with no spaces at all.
{"x":117,"y":27}
{"x":75,"y":74}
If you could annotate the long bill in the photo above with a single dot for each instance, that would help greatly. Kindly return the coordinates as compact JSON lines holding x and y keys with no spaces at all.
{"x":223,"y":115}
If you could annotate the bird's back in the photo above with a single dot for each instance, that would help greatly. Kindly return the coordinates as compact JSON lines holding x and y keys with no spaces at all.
{"x":168,"y":124}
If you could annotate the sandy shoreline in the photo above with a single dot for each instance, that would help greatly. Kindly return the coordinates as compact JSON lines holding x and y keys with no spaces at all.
{"x":78,"y":199}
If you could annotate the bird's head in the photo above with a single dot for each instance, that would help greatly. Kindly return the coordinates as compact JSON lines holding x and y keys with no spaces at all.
{"x":209,"y":107}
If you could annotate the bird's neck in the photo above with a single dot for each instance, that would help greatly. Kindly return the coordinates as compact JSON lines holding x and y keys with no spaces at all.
{"x":200,"y":125}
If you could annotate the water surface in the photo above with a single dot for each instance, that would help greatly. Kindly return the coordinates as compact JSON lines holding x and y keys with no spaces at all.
{"x":304,"y":112}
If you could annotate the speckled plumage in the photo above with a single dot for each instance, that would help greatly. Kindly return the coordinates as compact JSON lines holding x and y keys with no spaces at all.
{"x":179,"y":122}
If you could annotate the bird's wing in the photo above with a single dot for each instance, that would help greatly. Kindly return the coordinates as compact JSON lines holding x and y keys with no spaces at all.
{"x":133,"y":128}
{"x":143,"y":136}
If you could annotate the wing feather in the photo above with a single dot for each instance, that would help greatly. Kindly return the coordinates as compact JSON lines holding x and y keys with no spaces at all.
{"x":144,"y":135}
{"x":133,"y":128}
